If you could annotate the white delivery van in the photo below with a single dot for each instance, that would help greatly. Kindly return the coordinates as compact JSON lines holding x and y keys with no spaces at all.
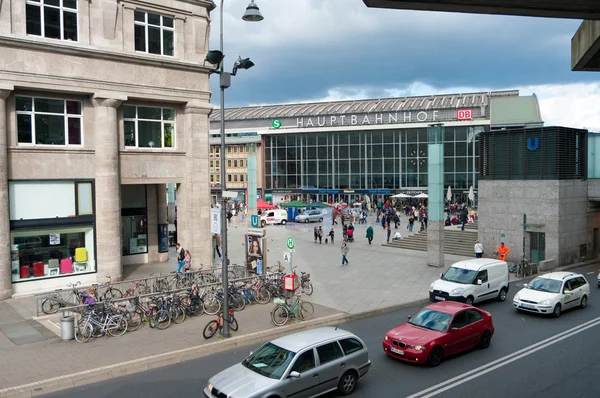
{"x":277,"y":216}
{"x":472,"y":281}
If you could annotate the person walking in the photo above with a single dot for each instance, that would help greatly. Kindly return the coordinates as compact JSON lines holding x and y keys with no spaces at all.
{"x":463,"y":219}
{"x":411,"y":223}
{"x":345,"y":249}
{"x":389,"y":232}
{"x":478,"y":249}
{"x":316,"y":234}
{"x":502,"y":251}
{"x":320,"y":235}
{"x":370,"y":234}
{"x":217,"y":244}
{"x":332,"y":236}
{"x":180,"y":257}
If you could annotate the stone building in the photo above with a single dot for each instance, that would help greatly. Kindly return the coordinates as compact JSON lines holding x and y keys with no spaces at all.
{"x":102,"y":104}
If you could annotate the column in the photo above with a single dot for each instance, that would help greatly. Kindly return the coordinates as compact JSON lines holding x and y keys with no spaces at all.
{"x":435,"y":207}
{"x":193,"y":195}
{"x":5,"y":263}
{"x":108,"y":189}
{"x":162,"y":215}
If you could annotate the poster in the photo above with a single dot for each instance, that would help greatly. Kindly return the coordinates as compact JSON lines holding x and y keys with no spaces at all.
{"x":254,"y":253}
{"x":54,"y":239}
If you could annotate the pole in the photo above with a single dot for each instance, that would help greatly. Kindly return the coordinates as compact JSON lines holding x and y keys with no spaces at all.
{"x":225,"y":264}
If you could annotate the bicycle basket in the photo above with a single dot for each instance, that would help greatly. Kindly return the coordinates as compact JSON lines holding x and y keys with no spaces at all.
{"x":130,"y":306}
{"x":279,"y":301}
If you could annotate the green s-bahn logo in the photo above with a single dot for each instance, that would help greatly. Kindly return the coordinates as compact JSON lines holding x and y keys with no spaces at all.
{"x":276,"y":123}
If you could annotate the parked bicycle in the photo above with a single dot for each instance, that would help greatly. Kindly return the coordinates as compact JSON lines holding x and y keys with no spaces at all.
{"x":284,"y":311}
{"x":217,"y":324}
{"x":524,"y":268}
{"x":99,"y":321}
{"x":60,"y":299}
{"x":110,"y":292}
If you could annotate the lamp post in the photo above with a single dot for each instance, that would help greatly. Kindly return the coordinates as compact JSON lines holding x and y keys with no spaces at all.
{"x":252,"y":14}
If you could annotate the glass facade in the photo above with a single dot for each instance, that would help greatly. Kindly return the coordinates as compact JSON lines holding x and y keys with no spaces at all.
{"x":368,"y":160}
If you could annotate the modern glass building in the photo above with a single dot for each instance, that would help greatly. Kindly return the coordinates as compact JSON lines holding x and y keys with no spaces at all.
{"x":344,"y":150}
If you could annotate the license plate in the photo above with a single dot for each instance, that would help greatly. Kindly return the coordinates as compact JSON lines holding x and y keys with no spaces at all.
{"x":527,"y":305}
{"x":396,"y":351}
{"x":440,"y":298}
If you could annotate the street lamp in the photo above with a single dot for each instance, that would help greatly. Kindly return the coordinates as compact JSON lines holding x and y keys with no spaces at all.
{"x":214,"y":57}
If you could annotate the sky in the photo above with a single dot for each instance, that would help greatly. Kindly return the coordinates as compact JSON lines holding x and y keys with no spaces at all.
{"x":327,"y":50}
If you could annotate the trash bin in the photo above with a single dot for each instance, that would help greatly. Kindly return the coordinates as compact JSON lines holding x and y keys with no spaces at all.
{"x":67,"y":327}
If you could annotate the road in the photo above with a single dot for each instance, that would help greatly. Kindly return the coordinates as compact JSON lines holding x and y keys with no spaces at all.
{"x":530,"y":356}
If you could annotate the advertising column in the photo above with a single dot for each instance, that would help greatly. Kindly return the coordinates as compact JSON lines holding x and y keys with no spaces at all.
{"x":435,"y":204}
{"x":5,"y":248}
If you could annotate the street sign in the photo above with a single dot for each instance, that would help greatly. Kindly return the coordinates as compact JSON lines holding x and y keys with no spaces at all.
{"x":276,"y":123}
{"x":286,"y":257}
{"x":290,"y":242}
{"x":254,"y":220}
{"x":256,"y":231}
{"x":215,"y":221}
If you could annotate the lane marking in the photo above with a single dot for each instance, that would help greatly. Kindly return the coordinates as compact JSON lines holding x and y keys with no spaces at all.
{"x":498,"y":363}
{"x":590,"y":273}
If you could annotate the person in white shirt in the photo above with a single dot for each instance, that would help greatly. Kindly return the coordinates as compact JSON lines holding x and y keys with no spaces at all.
{"x":478,"y":248}
{"x":397,"y":236}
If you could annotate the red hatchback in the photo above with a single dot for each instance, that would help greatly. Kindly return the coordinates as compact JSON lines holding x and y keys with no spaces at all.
{"x":439,"y":330}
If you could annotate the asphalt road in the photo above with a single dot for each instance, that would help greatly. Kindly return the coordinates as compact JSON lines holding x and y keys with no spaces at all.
{"x":530,"y":356}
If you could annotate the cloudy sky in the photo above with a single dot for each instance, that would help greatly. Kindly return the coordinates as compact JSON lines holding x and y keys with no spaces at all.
{"x":324,"y":50}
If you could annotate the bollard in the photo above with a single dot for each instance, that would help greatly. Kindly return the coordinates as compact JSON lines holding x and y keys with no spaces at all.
{"x":67,"y":327}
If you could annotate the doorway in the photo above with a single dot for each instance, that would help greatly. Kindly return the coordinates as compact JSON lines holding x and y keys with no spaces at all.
{"x":537,"y":246}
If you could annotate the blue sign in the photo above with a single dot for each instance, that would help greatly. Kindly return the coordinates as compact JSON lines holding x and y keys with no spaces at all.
{"x":254,"y":220}
{"x":532,"y":146}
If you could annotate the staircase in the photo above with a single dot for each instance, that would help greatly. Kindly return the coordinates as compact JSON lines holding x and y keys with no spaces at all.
{"x":472,"y":226}
{"x":459,"y":243}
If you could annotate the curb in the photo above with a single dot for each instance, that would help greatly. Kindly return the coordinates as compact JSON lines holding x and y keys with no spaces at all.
{"x":170,"y":358}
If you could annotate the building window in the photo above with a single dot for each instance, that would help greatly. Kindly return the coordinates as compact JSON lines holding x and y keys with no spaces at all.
{"x":241,"y":178}
{"x":218,"y":178}
{"x":235,"y":163}
{"x":46,"y":121}
{"x":154,"y":33}
{"x":235,"y":149}
{"x":135,"y":234}
{"x":212,"y":178}
{"x":54,"y":19}
{"x":149,"y":127}
{"x":212,"y":163}
{"x":242,"y":148}
{"x":235,"y":178}
{"x":228,"y":149}
{"x":228,"y":177}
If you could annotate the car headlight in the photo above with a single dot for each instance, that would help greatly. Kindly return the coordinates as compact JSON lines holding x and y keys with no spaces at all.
{"x":517,"y":297}
{"x":546,"y":302}
{"x":418,"y":347}
{"x":386,"y":338}
{"x":209,"y":387}
{"x":457,"y":291}
{"x":431,"y":288}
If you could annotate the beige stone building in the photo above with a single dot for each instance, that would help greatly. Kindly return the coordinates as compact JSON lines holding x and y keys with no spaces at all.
{"x":102,"y":103}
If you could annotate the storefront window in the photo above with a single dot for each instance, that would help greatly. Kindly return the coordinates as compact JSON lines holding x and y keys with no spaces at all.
{"x":135,"y":235}
{"x":47,"y":253}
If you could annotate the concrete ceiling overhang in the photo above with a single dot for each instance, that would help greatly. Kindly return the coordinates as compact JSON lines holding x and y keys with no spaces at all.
{"x":585,"y":46}
{"x":579,"y":9}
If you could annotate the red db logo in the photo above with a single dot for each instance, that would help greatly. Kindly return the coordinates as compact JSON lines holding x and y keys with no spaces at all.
{"x":464,"y":114}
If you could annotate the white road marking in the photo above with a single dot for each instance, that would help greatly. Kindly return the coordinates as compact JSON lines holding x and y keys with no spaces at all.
{"x":498,"y":363}
{"x":589,"y":273}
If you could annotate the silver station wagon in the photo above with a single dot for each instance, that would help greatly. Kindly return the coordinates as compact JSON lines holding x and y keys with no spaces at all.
{"x":304,"y":364}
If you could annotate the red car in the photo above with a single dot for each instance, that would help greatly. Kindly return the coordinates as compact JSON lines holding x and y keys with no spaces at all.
{"x":439,"y":330}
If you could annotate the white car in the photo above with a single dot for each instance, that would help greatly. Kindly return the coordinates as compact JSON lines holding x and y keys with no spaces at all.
{"x":553,"y":293}
{"x":599,"y":279}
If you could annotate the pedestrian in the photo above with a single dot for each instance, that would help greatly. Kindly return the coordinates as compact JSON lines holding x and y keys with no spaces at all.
{"x":180,"y":257}
{"x":463,"y":219}
{"x":370,"y":234}
{"x":187,"y":261}
{"x":320,"y":234}
{"x":411,"y":223}
{"x":332,"y":236}
{"x":478,"y":248}
{"x":345,"y":249}
{"x":345,"y":231}
{"x":217,"y":244}
{"x":502,"y":251}
{"x":316,"y":234}
{"x":389,"y":232}
{"x":396,"y":220}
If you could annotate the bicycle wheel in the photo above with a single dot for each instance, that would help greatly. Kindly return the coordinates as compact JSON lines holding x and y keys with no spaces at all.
{"x":142,"y":288}
{"x":306,"y":311}
{"x":210,"y":329}
{"x":49,"y":306}
{"x":212,"y":305}
{"x":233,"y":323}
{"x":263,"y":295}
{"x":120,"y":329}
{"x":280,"y":315}
{"x":177,"y":314}
{"x":237,"y":301}
{"x":83,"y":332}
{"x":134,"y":321}
{"x":307,"y":288}
{"x":162,"y":319}
{"x":112,"y":294}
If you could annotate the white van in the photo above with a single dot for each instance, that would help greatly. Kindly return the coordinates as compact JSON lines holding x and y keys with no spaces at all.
{"x":277,"y":216}
{"x":472,"y":281}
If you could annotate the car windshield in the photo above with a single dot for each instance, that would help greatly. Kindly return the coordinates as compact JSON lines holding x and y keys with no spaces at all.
{"x":459,"y":275}
{"x":545,"y":285}
{"x":269,"y":360}
{"x":431,"y":319}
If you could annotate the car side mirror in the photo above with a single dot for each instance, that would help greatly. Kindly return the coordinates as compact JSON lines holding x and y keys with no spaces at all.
{"x":524,"y":284}
{"x":294,"y":374}
{"x":442,"y":275}
{"x":479,"y":281}
{"x":409,"y":316}
{"x":251,"y":352}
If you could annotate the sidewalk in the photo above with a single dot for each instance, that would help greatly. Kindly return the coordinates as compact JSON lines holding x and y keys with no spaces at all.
{"x":377,"y":279}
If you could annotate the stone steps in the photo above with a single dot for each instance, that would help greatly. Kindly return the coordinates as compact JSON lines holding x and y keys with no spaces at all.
{"x":459,"y":243}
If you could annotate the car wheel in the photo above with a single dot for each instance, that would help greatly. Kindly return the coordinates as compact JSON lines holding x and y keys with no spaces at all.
{"x":583,"y":302}
{"x":485,"y":340}
{"x":264,"y":224}
{"x":306,"y":221}
{"x":321,"y":219}
{"x":347,"y":383}
{"x":502,"y":294}
{"x":470,"y":300}
{"x":435,"y":356}
{"x":283,"y":222}
{"x":557,"y":311}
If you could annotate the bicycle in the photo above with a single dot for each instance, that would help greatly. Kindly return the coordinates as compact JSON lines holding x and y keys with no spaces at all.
{"x":111,"y":292}
{"x":283,"y":311}
{"x":50,"y":305}
{"x":213,"y":326}
{"x":523,"y":268}
{"x":303,"y":282}
{"x":99,"y":324}
{"x":139,"y":287}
